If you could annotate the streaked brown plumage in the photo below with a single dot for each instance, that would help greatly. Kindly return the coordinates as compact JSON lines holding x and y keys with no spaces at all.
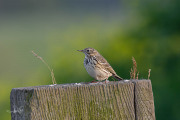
{"x":97,"y":66}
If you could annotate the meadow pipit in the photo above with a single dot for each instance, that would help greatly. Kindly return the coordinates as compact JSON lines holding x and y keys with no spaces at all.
{"x":97,"y":66}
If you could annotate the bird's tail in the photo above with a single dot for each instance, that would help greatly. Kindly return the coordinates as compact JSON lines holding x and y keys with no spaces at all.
{"x":117,"y":77}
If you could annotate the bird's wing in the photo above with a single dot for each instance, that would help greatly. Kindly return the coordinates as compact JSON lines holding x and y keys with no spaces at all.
{"x":103,"y":62}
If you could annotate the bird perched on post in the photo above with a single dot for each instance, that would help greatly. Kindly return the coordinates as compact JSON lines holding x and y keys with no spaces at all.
{"x":97,"y":66}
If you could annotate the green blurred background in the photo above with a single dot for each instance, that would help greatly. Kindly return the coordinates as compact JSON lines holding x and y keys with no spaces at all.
{"x":148,"y":30}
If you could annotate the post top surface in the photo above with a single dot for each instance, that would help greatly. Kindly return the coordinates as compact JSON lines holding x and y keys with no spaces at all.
{"x":82,"y":84}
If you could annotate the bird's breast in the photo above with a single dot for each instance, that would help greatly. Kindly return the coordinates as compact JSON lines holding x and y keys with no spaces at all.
{"x":95,"y":70}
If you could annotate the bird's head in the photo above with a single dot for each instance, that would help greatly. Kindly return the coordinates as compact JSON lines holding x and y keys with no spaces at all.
{"x":89,"y":52}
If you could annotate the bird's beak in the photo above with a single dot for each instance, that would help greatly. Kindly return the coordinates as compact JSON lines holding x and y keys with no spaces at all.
{"x":80,"y":50}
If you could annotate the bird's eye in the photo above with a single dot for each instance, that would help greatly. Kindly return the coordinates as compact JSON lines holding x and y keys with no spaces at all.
{"x":87,"y":50}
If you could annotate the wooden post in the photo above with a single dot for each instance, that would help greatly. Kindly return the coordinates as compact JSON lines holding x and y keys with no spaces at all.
{"x":124,"y":100}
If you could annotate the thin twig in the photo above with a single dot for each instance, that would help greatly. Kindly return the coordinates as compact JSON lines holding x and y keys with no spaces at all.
{"x":51,"y":70}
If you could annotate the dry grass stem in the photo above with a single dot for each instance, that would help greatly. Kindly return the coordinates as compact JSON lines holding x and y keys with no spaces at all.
{"x":137,"y":75}
{"x":134,"y":68}
{"x":149,"y":73}
{"x":133,"y":73}
{"x":51,"y":70}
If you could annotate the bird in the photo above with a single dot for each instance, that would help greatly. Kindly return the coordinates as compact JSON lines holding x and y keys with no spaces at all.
{"x":97,"y":66}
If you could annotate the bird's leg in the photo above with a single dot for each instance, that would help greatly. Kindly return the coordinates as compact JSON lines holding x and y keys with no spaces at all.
{"x":106,"y":81}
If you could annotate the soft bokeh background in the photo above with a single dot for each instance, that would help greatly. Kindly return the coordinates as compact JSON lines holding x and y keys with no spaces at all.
{"x":148,"y":30}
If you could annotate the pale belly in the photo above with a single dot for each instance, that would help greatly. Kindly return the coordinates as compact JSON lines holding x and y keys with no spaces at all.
{"x":98,"y":74}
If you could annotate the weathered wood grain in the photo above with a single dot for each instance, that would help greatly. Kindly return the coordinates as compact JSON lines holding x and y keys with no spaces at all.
{"x":122,"y":100}
{"x":144,"y":102}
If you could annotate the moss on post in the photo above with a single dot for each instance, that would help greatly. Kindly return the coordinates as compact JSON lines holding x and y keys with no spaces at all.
{"x":114,"y":100}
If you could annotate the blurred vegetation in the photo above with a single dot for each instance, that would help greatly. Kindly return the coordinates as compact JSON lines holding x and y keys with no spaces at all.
{"x":148,"y":30}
